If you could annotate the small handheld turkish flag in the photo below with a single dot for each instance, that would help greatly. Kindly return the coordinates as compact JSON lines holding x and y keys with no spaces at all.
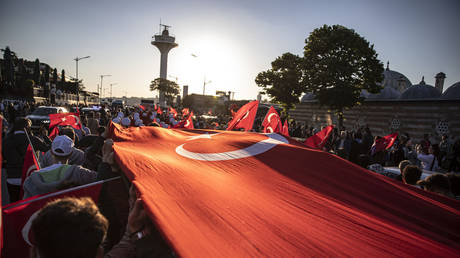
{"x":71,"y":119}
{"x":272,"y":121}
{"x":383,"y":143}
{"x":318,"y":140}
{"x":245,"y":116}
{"x":285,"y":130}
{"x":186,"y":123}
{"x":173,"y":111}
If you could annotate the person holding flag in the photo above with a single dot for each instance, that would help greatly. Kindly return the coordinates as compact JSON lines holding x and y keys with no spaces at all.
{"x":14,"y":150}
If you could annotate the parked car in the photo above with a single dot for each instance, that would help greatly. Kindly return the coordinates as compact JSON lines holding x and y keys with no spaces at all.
{"x":40,"y":115}
{"x":118,"y":103}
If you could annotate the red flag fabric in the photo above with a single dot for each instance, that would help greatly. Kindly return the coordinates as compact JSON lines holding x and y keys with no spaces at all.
{"x":232,"y":109}
{"x":272,"y":121}
{"x":185,"y":112}
{"x":30,"y":165}
{"x":186,"y":123}
{"x":142,"y":107}
{"x":238,"y":194}
{"x":173,"y":111}
{"x":318,"y":140}
{"x":16,"y":215}
{"x":63,"y":119}
{"x":1,"y":183}
{"x":54,"y":132}
{"x":245,"y":116}
{"x":159,"y":111}
{"x":285,"y":130}
{"x":384,"y":143}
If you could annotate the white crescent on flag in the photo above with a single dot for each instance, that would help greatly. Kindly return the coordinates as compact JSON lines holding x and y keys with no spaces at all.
{"x":254,"y":149}
{"x":270,"y":116}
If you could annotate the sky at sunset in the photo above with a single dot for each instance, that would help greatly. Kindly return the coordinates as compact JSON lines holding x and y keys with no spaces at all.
{"x":233,"y":40}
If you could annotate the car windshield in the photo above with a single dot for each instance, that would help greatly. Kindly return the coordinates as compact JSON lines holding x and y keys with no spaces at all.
{"x":44,"y":111}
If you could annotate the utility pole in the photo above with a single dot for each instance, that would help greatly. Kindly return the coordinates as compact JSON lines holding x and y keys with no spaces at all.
{"x":204,"y":84}
{"x":111,"y":89}
{"x":77,"y":81}
{"x":100,"y":89}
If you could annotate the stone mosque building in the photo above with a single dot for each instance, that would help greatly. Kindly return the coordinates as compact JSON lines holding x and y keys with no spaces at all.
{"x":401,"y":106}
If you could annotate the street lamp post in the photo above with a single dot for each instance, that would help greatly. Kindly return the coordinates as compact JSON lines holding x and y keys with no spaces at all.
{"x":77,"y":82}
{"x":204,"y":80}
{"x":100,"y":89}
{"x":204,"y":85}
{"x":111,"y":89}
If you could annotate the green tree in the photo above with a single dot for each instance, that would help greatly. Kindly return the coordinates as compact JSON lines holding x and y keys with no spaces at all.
{"x":37,"y":71}
{"x":282,"y":83}
{"x":169,"y":88}
{"x":338,"y":65}
{"x":62,"y":82}
{"x":8,"y":75}
{"x":55,"y":76}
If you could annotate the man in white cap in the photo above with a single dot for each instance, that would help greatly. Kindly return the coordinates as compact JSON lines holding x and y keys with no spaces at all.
{"x":77,"y":157}
{"x":60,"y":175}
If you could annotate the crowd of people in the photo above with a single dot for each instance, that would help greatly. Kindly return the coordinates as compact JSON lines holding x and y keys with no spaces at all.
{"x":81,"y":156}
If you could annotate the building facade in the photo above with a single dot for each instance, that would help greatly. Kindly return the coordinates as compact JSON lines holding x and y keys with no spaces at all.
{"x":400,"y":107}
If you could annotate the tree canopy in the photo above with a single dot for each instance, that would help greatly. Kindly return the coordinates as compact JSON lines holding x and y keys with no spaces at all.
{"x":282,"y":83}
{"x":169,"y":88}
{"x":338,"y":65}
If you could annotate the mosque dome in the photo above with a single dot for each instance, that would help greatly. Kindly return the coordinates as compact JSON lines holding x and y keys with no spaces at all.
{"x":307,"y":97}
{"x":385,"y":93}
{"x":453,"y":92}
{"x":421,"y":91}
{"x":395,"y":80}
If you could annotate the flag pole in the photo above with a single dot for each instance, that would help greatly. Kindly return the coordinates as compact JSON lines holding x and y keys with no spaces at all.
{"x":33,"y":150}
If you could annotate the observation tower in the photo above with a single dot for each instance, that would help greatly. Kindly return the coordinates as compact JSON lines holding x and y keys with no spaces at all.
{"x":164,"y":42}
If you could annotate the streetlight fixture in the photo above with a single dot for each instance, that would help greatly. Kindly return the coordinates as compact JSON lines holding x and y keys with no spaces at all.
{"x":111,"y":89}
{"x":77,"y":81}
{"x":100,"y":86}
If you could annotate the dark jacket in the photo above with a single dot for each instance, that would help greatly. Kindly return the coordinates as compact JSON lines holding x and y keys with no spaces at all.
{"x":14,"y":150}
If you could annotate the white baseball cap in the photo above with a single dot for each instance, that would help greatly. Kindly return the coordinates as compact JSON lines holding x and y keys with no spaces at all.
{"x":62,"y":145}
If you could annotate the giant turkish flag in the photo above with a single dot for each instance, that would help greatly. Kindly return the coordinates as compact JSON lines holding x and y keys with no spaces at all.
{"x":227,"y":193}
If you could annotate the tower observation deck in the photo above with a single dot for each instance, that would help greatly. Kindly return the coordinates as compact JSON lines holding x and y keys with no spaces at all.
{"x":164,"y":42}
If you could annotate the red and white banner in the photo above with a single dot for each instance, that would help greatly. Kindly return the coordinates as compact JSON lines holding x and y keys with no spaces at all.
{"x":272,"y":122}
{"x":30,"y":165}
{"x":17,"y":216}
{"x":245,"y":116}
{"x":318,"y":140}
{"x":238,"y":194}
